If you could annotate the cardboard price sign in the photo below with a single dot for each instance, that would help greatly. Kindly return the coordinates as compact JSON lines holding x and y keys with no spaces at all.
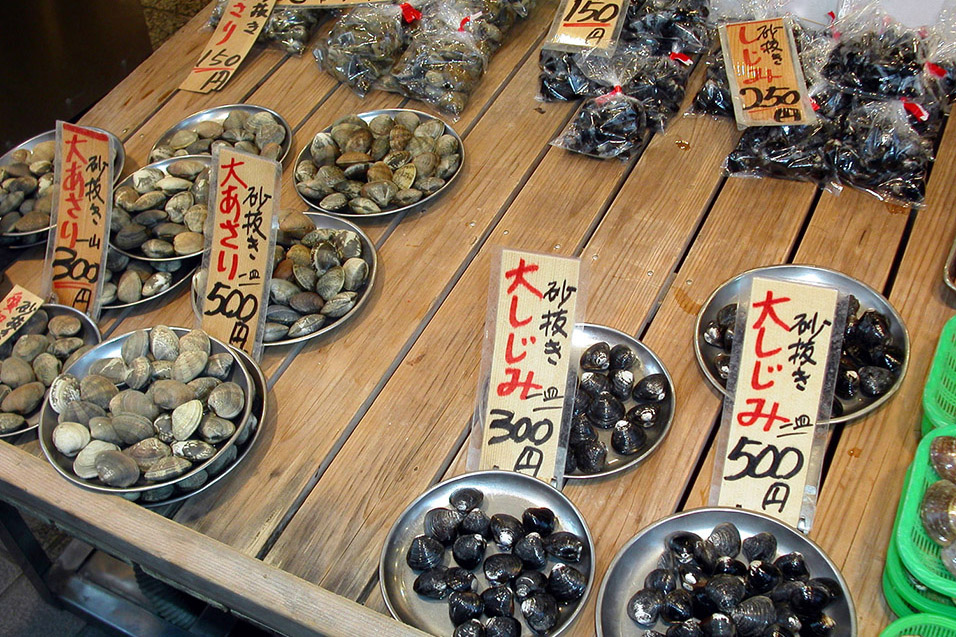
{"x":782,"y":379}
{"x":534,"y":314}
{"x":16,"y":308}
{"x":587,"y":24}
{"x":240,"y":240}
{"x":764,"y":73}
{"x":83,"y":179}
{"x":240,"y":25}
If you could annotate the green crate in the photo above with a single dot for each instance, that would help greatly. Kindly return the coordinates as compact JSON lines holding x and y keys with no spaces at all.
{"x":919,"y":554}
{"x":939,"y":394}
{"x":922,"y":624}
{"x":894,"y":601}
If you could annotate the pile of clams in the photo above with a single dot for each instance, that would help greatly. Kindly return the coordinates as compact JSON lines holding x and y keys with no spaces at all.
{"x":377,"y":162}
{"x":938,"y":508}
{"x":498,"y":566}
{"x":162,"y":411}
{"x":724,"y":586}
{"x":129,"y":281}
{"x":616,"y":402}
{"x":252,"y":129}
{"x":32,"y":358}
{"x":159,"y":211}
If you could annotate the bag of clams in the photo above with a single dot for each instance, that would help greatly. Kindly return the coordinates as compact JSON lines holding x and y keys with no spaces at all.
{"x":288,"y":28}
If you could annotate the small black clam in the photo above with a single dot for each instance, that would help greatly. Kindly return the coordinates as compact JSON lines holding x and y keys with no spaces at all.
{"x":847,"y":383}
{"x":718,"y":625}
{"x":645,"y":606}
{"x":566,"y":583}
{"x":464,"y":606}
{"x":530,"y":549}
{"x":753,"y":615}
{"x":832,"y":586}
{"x":702,"y":605}
{"x":471,"y":628}
{"x":505,"y":529}
{"x":705,"y":556}
{"x":691,"y":574}
{"x":528,"y":583}
{"x":781,"y":592}
{"x":539,"y":520}
{"x":499,"y":601}
{"x":442,"y":524}
{"x":540,"y":610}
{"x":465,"y":499}
{"x":591,"y":456}
{"x":809,"y":599}
{"x":762,"y":577}
{"x":502,"y":627}
{"x":432,"y":583}
{"x":793,"y":566}
{"x":713,"y":334}
{"x":651,"y":388}
{"x":678,"y":606}
{"x":887,"y":356}
{"x":596,"y":358}
{"x":565,"y":546}
{"x":661,"y":579}
{"x":726,"y":539}
{"x":460,"y":579}
{"x":722,"y":366}
{"x":645,"y":415}
{"x":819,"y":626}
{"x":762,"y":546}
{"x":605,"y":410}
{"x":469,"y":550}
{"x":687,"y":628}
{"x":627,"y":438}
{"x":581,"y":401}
{"x":622,"y":382}
{"x":622,"y":357}
{"x":875,"y":381}
{"x":726,"y":591}
{"x":873,"y":329}
{"x":729,"y":566}
{"x":787,"y":619}
{"x":581,"y":431}
{"x":475,"y":521}
{"x":682,"y":544}
{"x":424,"y":553}
{"x":502,"y":567}
{"x":727,"y":316}
{"x":593,"y":383}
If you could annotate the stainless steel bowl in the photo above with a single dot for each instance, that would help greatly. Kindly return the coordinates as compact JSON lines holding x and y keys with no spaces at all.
{"x":37,"y":237}
{"x":90,"y":335}
{"x":418,"y":205}
{"x":869,"y":298}
{"x":625,"y":576}
{"x":180,"y":277}
{"x":111,"y":348}
{"x":219,"y":114}
{"x":504,"y":492}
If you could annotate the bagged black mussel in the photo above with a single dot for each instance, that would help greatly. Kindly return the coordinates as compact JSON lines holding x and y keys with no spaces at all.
{"x":561,"y":79}
{"x":364,"y":44}
{"x":288,"y":28}
{"x":659,"y":82}
{"x":669,"y":25}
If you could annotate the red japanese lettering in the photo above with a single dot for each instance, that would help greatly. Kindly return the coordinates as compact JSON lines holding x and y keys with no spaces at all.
{"x":767,"y":311}
{"x":509,"y":350}
{"x":14,"y":301}
{"x":518,"y":276}
{"x":758,"y":346}
{"x":755,"y":377}
{"x":749,"y":418}
{"x":508,"y":387}
{"x":73,"y":153}
{"x":232,"y":227}
{"x":232,"y":267}
{"x":513,"y":314}
{"x":69,"y":230}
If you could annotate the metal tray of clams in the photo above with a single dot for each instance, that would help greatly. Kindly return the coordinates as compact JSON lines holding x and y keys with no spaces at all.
{"x":625,"y":576}
{"x":585,"y":335}
{"x":229,"y":461}
{"x":30,"y":238}
{"x":162,"y":166}
{"x":504,"y":492}
{"x":90,"y":335}
{"x":177,"y":280}
{"x":369,"y":254}
{"x":218,"y":115}
{"x":306,"y":154}
{"x":729,"y":292}
{"x":112,"y":348}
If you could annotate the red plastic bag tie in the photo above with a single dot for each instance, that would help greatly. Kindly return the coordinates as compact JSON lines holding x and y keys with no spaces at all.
{"x":814,"y":105}
{"x":917,"y":111}
{"x":604,"y":98}
{"x":410,"y":13}
{"x":467,"y":19}
{"x":683,"y":58}
{"x":936,"y":70}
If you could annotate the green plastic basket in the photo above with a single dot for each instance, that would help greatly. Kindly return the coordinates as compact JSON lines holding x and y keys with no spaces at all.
{"x":939,"y":394}
{"x":919,"y":554}
{"x":894,"y":601}
{"x":922,"y":624}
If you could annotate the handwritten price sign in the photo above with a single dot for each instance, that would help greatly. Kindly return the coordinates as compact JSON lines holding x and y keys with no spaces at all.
{"x":81,"y":218}
{"x":587,"y":24}
{"x":16,"y":308}
{"x":783,"y":389}
{"x":534,"y":314}
{"x":764,"y":72}
{"x":241,"y":233}
{"x":240,"y":25}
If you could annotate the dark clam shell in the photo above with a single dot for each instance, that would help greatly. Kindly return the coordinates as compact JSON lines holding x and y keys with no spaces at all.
{"x":762,"y":577}
{"x":506,"y":530}
{"x":570,"y":462}
{"x":539,"y":520}
{"x":727,"y":316}
{"x":471,"y":628}
{"x":464,"y":606}
{"x":762,"y":546}
{"x":729,"y":566}
{"x":460,"y":579}
{"x":591,"y":456}
{"x":565,"y":546}
{"x":888,"y":356}
{"x":627,"y":438}
{"x":502,"y":627}
{"x":528,"y":583}
{"x":605,"y":410}
{"x":722,"y":366}
{"x":442,"y":524}
{"x":432,"y":583}
{"x":809,"y":599}
{"x":596,"y":358}
{"x":718,"y":625}
{"x":836,"y":592}
{"x":687,"y":628}
{"x":702,"y":605}
{"x":787,"y":619}
{"x":645,"y":606}
{"x":581,"y":401}
{"x":499,"y":601}
{"x":465,"y":499}
{"x":622,"y":382}
{"x":691,"y":574}
{"x":776,"y":630}
{"x":852,"y":305}
{"x":872,"y":329}
{"x":424,"y":553}
{"x":661,"y":579}
{"x":793,"y":566}
{"x":819,"y":626}
{"x":645,"y":415}
{"x":530,"y":549}
{"x":726,"y":539}
{"x":566,"y":583}
{"x":682,"y":545}
{"x":705,"y":556}
{"x":651,"y":388}
{"x":476,"y":522}
{"x":875,"y":381}
{"x":540,"y":611}
{"x":725,"y":591}
{"x":847,"y":383}
{"x":594,"y":383}
{"x":781,"y":592}
{"x":678,"y":606}
{"x":581,"y":432}
{"x":713,"y":334}
{"x":469,"y":550}
{"x":753,"y":615}
{"x":502,"y":567}
{"x":622,"y":357}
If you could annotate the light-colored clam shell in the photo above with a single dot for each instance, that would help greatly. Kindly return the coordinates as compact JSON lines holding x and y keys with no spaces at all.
{"x":64,"y":325}
{"x":116,"y":469}
{"x":186,"y":419}
{"x":189,"y":364}
{"x":29,"y":346}
{"x":64,"y":389}
{"x":170,"y":394}
{"x":24,"y":399}
{"x":227,"y":400}
{"x":84,"y":465}
{"x":214,"y":429}
{"x":138,"y":373}
{"x":113,"y":368}
{"x":195,"y":340}
{"x":101,"y":428}
{"x":80,"y":411}
{"x":98,"y":390}
{"x":167,"y":469}
{"x":16,"y":372}
{"x":163,"y":343}
{"x":135,"y":345}
{"x":147,"y":452}
{"x":219,"y":365}
{"x":131,"y":428}
{"x":194,"y":450}
{"x":203,"y":385}
{"x":163,"y":426}
{"x":11,"y":422}
{"x":70,"y":437}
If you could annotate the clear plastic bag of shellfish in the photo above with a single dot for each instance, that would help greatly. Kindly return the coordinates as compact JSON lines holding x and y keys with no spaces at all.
{"x":659,"y":82}
{"x":879,"y":151}
{"x":940,"y":67}
{"x":288,"y":28}
{"x":561,"y":79}
{"x":669,"y":25}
